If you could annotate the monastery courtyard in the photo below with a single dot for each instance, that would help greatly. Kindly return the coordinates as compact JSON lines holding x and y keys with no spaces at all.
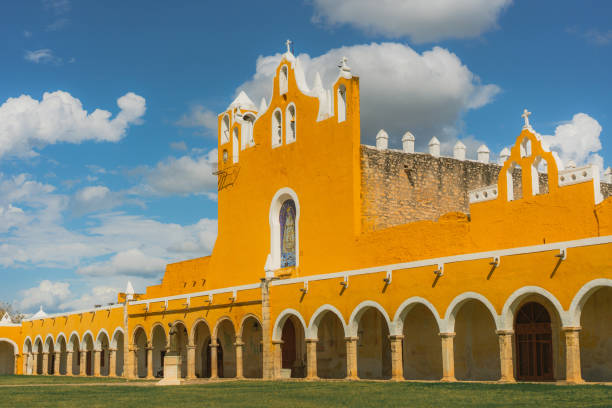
{"x":29,"y":391}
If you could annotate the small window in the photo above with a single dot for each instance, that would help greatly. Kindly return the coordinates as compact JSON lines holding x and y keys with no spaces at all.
{"x":277,"y":128}
{"x":514,"y":182}
{"x":283,"y":81}
{"x":539,"y":176}
{"x":341,"y":103}
{"x":225,"y":156}
{"x":235,"y":146}
{"x":526,"y":147}
{"x":225,"y":130}
{"x":291,"y":123}
{"x":247,"y":132}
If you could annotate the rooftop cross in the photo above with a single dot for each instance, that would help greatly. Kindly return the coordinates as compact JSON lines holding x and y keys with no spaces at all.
{"x":525,"y":115}
{"x":289,"y":42}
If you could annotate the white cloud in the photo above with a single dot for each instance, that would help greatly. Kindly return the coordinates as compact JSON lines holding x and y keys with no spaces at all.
{"x":98,"y":198}
{"x":421,"y":20}
{"x":42,"y":56}
{"x":401,"y":89}
{"x":199,"y":117}
{"x":99,"y":295}
{"x":183,"y":175}
{"x":178,"y":145}
{"x":27,"y":124}
{"x":129,"y":262}
{"x":47,"y":294}
{"x":578,"y":140}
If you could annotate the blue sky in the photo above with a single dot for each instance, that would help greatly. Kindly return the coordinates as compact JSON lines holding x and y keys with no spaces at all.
{"x":91,"y":200}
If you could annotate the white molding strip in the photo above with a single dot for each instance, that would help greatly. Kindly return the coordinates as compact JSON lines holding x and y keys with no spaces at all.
{"x":377,"y":269}
{"x":75,"y":312}
{"x":452,"y":259}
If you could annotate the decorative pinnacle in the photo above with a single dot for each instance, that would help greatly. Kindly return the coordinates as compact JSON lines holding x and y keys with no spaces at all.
{"x":289,"y":42}
{"x":343,"y":66}
{"x":525,"y":115}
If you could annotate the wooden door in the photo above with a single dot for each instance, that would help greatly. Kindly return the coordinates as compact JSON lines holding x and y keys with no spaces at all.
{"x":288,"y":346}
{"x":534,"y":343}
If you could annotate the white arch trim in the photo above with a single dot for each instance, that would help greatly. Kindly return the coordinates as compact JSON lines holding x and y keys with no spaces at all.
{"x":406,"y":307}
{"x":49,"y":340}
{"x":509,"y":309}
{"x":313,"y":326}
{"x":245,"y":318}
{"x":84,"y":339}
{"x":358,"y":312}
{"x":61,"y":335}
{"x":38,"y":339}
{"x":98,"y":344}
{"x":277,"y":331}
{"x":218,"y":323}
{"x":585,"y":292}
{"x":25,"y":344}
{"x":448,"y":324}
{"x":195,"y":325}
{"x":279,"y":198}
{"x":114,"y":338}
{"x":15,"y":347}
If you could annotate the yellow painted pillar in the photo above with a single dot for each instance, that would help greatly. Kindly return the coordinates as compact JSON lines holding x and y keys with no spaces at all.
{"x":56,"y":363}
{"x":149,"y":355}
{"x":191,"y":361}
{"x":351,"y":358}
{"x":397,"y":363}
{"x":573,"y":372}
{"x":69,"y":362}
{"x":83,"y":363}
{"x":45,"y":363}
{"x":26,"y":360}
{"x":96,"y":363}
{"x":448,"y":357}
{"x":277,"y":350}
{"x":112,"y":362}
{"x":239,"y":362}
{"x":505,"y":355}
{"x":311,"y":359}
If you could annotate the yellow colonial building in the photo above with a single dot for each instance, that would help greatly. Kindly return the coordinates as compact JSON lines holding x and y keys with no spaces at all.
{"x":339,"y":260}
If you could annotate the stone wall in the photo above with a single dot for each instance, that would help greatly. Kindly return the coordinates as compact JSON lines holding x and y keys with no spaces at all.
{"x":399,"y":188}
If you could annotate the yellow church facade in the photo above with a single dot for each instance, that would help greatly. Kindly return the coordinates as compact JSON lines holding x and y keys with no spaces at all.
{"x":339,"y":260}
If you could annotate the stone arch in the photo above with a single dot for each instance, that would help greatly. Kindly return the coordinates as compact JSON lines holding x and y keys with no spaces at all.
{"x":225,"y":124}
{"x":48,"y":344}
{"x":224,"y":335}
{"x":558,"y":319}
{"x":371,"y":325}
{"x":87,"y":342}
{"x":74,"y":347}
{"x":283,"y":80}
{"x":200,"y":337}
{"x":99,"y":338}
{"x":448,"y":324}
{"x":102,"y":347}
{"x":8,"y":356}
{"x":582,"y":296}
{"x":419,"y":323}
{"x":28,"y":357}
{"x":182,"y":343}
{"x":290,"y":123}
{"x":293,"y":343}
{"x":328,"y":327}
{"x":515,"y":299}
{"x":279,"y":198}
{"x":591,"y":310}
{"x":277,"y":128}
{"x":159,"y":342}
{"x":38,"y":351}
{"x":316,"y":317}
{"x":118,"y":345}
{"x":61,"y":336}
{"x":277,"y":331}
{"x":476,"y":346}
{"x":251,"y":335}
{"x":62,"y":348}
{"x":405,"y":308}
{"x":140,"y":344}
{"x":74,"y":339}
{"x":88,"y":346}
{"x":358,"y":312}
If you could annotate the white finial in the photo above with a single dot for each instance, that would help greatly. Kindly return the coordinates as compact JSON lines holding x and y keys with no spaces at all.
{"x":483,"y":154}
{"x":382,"y":139}
{"x":459,"y":151}
{"x":288,"y":42}
{"x":345,"y":70}
{"x":525,"y":115}
{"x":129,"y":291}
{"x":571,"y":165}
{"x":408,"y":142}
{"x":434,"y":147}
{"x":504,"y":155}
{"x":608,"y":175}
{"x":263,"y":105}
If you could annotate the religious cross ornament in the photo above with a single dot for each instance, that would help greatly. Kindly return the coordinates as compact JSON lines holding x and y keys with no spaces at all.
{"x":525,"y":115}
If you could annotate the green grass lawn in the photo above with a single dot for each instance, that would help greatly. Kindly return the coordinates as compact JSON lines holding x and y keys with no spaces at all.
{"x":40,"y":379}
{"x":306,"y":394}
